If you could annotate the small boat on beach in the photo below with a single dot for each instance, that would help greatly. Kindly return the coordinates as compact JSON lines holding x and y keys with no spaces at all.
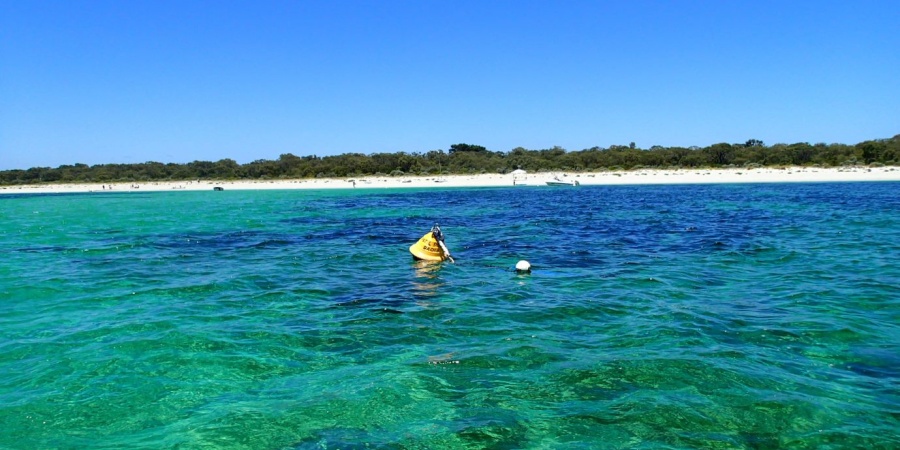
{"x":557,"y":182}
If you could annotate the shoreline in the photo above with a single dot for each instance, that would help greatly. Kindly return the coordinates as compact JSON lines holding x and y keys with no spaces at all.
{"x":633,"y":177}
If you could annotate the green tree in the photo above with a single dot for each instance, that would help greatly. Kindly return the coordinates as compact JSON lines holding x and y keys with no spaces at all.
{"x":754,"y":143}
{"x":720,"y":154}
{"x":871,"y":150}
{"x":466,"y":148}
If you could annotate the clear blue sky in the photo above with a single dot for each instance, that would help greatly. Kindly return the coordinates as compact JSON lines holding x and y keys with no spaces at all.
{"x":176,"y":81}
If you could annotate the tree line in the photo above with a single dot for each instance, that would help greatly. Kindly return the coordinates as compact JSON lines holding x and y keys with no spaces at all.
{"x":475,"y":159}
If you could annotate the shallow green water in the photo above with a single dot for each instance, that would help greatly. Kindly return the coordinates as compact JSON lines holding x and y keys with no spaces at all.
{"x":718,"y":316}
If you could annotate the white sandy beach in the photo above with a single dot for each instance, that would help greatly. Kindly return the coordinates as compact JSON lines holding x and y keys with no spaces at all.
{"x":648,"y":176}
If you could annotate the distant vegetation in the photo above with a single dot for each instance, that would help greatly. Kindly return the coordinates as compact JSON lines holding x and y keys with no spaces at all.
{"x":475,"y":159}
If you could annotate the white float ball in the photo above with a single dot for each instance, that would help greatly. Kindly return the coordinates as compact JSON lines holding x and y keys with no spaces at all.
{"x":523,"y":266}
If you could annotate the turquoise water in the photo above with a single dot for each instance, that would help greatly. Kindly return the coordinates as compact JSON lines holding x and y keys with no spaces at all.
{"x":709,"y":316}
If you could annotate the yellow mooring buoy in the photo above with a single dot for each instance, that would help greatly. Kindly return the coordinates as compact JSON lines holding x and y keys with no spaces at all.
{"x":431,"y":246}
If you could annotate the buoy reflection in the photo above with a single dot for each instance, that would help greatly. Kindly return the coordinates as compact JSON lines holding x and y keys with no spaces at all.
{"x":427,"y":283}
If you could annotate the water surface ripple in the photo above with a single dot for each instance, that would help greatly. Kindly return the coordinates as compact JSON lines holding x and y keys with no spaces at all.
{"x":714,"y":316}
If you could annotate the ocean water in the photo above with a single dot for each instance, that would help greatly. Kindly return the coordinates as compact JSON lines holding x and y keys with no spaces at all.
{"x":706,"y":316}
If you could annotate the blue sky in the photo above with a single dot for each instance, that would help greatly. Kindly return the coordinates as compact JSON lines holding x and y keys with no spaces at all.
{"x":176,"y":81}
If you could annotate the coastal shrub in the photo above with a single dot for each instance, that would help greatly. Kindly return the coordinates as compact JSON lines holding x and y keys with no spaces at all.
{"x":396,"y":173}
{"x":474,"y":159}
